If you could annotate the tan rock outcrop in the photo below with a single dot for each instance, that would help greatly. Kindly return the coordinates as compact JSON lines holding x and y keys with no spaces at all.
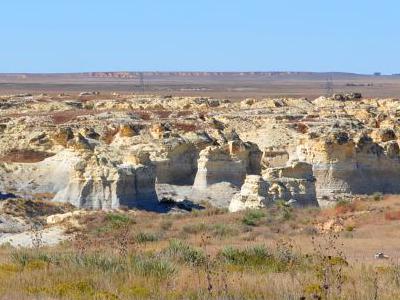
{"x":253,"y":194}
{"x":344,"y":165}
{"x":227,"y":163}
{"x":295,"y":182}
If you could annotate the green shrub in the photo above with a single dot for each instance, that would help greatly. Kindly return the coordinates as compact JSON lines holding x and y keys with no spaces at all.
{"x":342,"y":203}
{"x":25,"y":258}
{"x":97,"y":261}
{"x":377,"y":196}
{"x":253,"y":217}
{"x":117,"y":220}
{"x":194,"y":228}
{"x":153,"y":266}
{"x":166,"y":225}
{"x":144,"y":237}
{"x":254,"y":256}
{"x":72,"y":290}
{"x":259,"y":258}
{"x":285,"y":210}
{"x":185,"y":253}
{"x":222,"y":230}
{"x":114,"y":221}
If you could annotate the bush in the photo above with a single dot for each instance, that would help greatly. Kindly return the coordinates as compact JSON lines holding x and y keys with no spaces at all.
{"x":194,"y":228}
{"x":144,"y":237}
{"x":344,"y":206}
{"x":97,"y":261}
{"x":153,"y":266}
{"x":26,"y":258}
{"x":185,"y":253}
{"x":254,"y":256}
{"x":117,"y":220}
{"x":261,"y":259}
{"x":284,"y":209}
{"x":223,"y":230}
{"x":166,"y":225}
{"x":253,"y":217}
{"x":72,"y":290}
{"x":114,"y":221}
{"x":377,"y":196}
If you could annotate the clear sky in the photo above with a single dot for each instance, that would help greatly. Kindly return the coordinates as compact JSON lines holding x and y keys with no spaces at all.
{"x":360,"y":36}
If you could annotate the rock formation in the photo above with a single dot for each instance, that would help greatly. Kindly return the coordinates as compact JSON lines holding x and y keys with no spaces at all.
{"x":227,"y":163}
{"x":100,"y":152}
{"x":253,"y":194}
{"x":344,"y":165}
{"x":294,"y":183}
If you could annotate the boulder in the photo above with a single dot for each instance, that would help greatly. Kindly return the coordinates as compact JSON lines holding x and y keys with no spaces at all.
{"x":253,"y":194}
{"x":294,"y":182}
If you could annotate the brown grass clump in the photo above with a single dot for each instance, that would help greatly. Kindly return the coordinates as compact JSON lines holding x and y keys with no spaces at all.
{"x":25,"y":156}
{"x":344,"y":206}
{"x":32,"y":209}
{"x":392,"y":215}
{"x":162,"y":114}
{"x":301,"y":128}
{"x":184,"y":113}
{"x":109,"y":134}
{"x":62,"y":117}
{"x":186,"y":127}
{"x":145,"y":116}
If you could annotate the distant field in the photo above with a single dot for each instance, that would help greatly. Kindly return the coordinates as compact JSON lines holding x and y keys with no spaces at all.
{"x":224,"y":85}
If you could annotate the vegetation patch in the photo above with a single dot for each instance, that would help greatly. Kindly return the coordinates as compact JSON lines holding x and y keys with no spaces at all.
{"x":253,"y":217}
{"x":182,"y":252}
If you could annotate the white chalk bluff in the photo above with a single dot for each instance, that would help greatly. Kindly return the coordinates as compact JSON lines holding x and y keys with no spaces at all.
{"x":146,"y":151}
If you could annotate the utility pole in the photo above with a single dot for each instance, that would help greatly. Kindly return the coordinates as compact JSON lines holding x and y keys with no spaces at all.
{"x":329,"y":86}
{"x":141,"y":82}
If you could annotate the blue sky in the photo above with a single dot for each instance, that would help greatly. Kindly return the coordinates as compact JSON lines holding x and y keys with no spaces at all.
{"x":203,"y":35}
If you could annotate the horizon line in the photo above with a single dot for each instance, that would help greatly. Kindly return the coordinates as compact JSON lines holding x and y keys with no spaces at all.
{"x":200,"y":72}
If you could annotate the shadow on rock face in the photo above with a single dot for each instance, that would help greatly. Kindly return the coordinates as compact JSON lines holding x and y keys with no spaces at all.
{"x":170,"y":206}
{"x":7,"y":196}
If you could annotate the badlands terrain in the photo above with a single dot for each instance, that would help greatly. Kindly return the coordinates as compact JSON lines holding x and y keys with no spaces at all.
{"x":131,"y":196}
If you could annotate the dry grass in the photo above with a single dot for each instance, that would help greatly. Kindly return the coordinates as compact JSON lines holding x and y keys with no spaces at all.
{"x":24,"y":156}
{"x":63,"y":117}
{"x":185,"y":127}
{"x":109,"y":134}
{"x":32,"y":209}
{"x":213,"y":254}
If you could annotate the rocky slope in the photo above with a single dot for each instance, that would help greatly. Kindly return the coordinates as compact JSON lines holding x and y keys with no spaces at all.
{"x":109,"y":151}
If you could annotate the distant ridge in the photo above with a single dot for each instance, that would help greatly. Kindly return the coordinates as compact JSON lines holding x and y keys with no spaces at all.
{"x":237,"y":85}
{"x":118,"y":74}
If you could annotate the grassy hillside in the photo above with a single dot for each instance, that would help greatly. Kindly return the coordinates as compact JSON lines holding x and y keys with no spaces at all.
{"x":277,"y":253}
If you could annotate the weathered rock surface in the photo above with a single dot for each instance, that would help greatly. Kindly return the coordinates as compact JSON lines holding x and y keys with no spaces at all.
{"x":294,"y":183}
{"x":253,"y":194}
{"x":344,"y":165}
{"x":84,"y":180}
{"x":120,"y":150}
{"x":227,"y":163}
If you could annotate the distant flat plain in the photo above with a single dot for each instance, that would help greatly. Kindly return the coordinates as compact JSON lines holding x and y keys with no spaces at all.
{"x":232,"y":85}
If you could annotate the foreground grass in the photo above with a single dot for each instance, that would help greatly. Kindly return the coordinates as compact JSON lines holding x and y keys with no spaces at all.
{"x":269,"y":254}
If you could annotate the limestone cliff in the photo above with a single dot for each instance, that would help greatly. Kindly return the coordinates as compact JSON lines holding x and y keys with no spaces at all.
{"x":227,"y":163}
{"x":84,"y":179}
{"x":345,"y":165}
